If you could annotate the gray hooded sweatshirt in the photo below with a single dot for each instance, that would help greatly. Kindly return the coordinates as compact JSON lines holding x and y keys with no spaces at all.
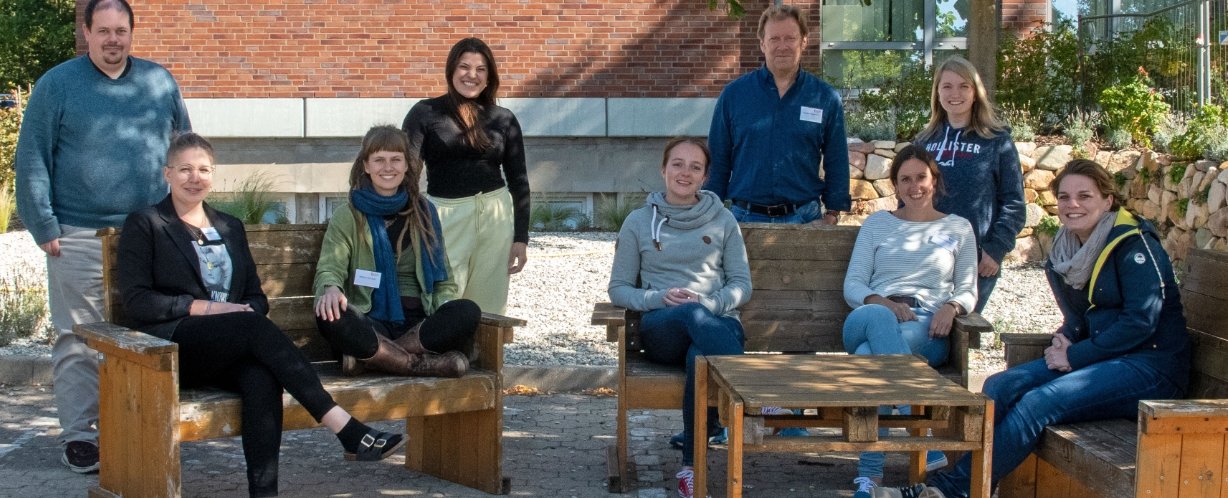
{"x":696,"y":247}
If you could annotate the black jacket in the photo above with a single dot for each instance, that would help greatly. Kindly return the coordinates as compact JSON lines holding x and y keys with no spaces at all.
{"x":1131,"y":306}
{"x":159,"y":272}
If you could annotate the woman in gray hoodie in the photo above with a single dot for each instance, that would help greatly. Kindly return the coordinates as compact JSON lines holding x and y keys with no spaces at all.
{"x":686,"y":253}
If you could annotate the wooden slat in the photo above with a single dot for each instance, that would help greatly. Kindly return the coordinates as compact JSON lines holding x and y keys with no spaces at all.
{"x":1206,"y":272}
{"x":287,"y":279}
{"x":1205,"y":313}
{"x":1104,"y":449}
{"x":798,"y":275}
{"x":1202,"y":409}
{"x":1209,"y":375}
{"x":1159,"y":461}
{"x":156,"y":448}
{"x":1202,"y":457}
{"x":1021,"y":348}
{"x":1020,"y":483}
{"x":283,"y":244}
{"x":213,"y":413}
{"x":767,"y":241}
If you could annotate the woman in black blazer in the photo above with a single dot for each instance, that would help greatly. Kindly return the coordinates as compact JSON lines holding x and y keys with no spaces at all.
{"x":187,"y":275}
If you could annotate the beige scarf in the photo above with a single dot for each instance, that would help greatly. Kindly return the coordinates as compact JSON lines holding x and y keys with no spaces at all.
{"x":1074,"y":261}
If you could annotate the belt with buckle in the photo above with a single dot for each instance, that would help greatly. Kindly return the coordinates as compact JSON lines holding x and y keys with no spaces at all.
{"x":773,"y":211}
{"x":909,"y":300}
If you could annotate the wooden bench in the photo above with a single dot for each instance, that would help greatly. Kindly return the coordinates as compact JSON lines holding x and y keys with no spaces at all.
{"x":797,"y":306}
{"x":454,"y":425}
{"x":1176,"y":449}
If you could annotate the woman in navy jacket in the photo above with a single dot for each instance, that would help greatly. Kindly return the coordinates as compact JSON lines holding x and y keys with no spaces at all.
{"x":1123,"y":337}
{"x":187,"y":275}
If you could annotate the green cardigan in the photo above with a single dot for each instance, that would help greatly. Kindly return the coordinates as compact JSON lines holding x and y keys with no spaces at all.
{"x":347,"y":247}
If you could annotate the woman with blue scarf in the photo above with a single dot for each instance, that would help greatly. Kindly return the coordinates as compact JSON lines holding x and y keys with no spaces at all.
{"x":384,"y":298}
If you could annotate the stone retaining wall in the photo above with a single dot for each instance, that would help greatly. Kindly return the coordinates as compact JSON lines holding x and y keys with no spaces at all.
{"x":1186,"y":200}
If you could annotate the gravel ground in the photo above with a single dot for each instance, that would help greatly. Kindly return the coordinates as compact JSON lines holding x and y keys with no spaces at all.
{"x":567,"y":273}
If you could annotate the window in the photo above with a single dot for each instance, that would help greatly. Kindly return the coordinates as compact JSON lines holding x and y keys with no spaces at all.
{"x":863,"y":41}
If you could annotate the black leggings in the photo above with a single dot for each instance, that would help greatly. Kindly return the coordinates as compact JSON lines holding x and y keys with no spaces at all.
{"x":245,"y":352}
{"x":451,"y":328}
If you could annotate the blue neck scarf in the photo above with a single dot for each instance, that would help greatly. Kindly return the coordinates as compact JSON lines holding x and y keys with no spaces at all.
{"x":386,"y":300}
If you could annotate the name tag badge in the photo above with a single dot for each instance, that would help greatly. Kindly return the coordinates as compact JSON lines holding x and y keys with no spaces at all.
{"x":944,"y":241}
{"x":367,"y":278}
{"x":812,"y":114}
{"x":211,"y":234}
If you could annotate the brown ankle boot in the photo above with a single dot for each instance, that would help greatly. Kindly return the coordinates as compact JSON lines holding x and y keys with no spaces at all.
{"x":411,"y":342}
{"x":450,"y":364}
{"x":389,"y":357}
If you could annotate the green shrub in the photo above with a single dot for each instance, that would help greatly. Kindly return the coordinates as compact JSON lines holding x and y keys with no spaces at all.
{"x":1166,"y":133}
{"x":1022,"y":125}
{"x":1183,"y":206}
{"x":869,"y":126}
{"x":251,"y":201}
{"x":1118,"y":138}
{"x":611,"y":214}
{"x":10,"y":126}
{"x":1120,"y":179}
{"x":1078,"y":130}
{"x":1205,"y":127}
{"x":8,"y":204}
{"x":1134,"y":107}
{"x":23,"y":307}
{"x":1217,"y":144}
{"x":1035,"y":74}
{"x":1048,"y":226}
{"x":1176,"y":172}
{"x":549,"y":216}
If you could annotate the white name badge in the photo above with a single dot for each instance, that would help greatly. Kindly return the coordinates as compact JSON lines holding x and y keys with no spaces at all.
{"x":211,"y":234}
{"x":944,"y":241}
{"x":367,"y":278}
{"x":812,"y":114}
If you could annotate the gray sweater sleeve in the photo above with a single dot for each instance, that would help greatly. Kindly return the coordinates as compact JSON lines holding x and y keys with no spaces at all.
{"x":626,"y":270}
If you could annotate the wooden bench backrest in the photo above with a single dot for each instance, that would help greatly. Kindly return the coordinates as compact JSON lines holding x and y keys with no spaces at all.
{"x":285,"y":258}
{"x":1204,"y":293}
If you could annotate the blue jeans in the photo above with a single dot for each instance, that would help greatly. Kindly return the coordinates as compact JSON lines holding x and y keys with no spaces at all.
{"x":873,"y":329}
{"x":675,"y":336}
{"x":984,"y":287}
{"x":805,"y":213}
{"x":1030,"y":396}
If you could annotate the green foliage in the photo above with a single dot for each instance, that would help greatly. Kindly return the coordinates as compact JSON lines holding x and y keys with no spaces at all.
{"x":733,"y":8}
{"x":869,"y":126}
{"x":1167,"y":131}
{"x":1217,"y":144}
{"x":23,"y":306}
{"x":10,"y":126}
{"x":1200,"y":132}
{"x":8,"y":204}
{"x":1202,"y":196}
{"x":251,"y":201}
{"x":35,"y":35}
{"x":1176,"y":172}
{"x":1035,"y":75}
{"x":1079,"y":130}
{"x":1022,"y":129}
{"x":902,"y":100}
{"x":1144,"y":176}
{"x":1135,"y":107}
{"x":1163,"y":48}
{"x":1048,"y":226}
{"x":549,"y":216}
{"x":1118,"y":139}
{"x":1119,"y":178}
{"x":611,"y":214}
{"x":1183,"y":206}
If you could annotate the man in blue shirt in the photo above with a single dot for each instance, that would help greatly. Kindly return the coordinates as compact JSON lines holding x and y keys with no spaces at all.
{"x":774,"y":129}
{"x":91,"y":149}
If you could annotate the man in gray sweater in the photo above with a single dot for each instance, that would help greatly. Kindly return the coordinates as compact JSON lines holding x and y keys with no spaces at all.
{"x":92,"y":145}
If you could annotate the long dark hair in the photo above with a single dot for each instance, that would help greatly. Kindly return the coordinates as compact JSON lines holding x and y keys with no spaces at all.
{"x":466,"y":111}
{"x":388,"y":138}
{"x":914,"y":151}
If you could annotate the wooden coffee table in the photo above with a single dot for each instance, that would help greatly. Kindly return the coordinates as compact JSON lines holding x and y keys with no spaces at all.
{"x":846,"y":392}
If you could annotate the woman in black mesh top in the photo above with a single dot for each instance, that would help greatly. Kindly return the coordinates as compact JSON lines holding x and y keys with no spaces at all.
{"x":469,"y":146}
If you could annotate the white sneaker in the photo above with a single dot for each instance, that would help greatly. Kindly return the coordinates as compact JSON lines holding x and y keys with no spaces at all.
{"x":914,"y":491}
{"x":865,"y":487}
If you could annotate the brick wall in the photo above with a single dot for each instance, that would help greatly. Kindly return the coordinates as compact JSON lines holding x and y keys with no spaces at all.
{"x":384,"y":48}
{"x":1022,"y":16}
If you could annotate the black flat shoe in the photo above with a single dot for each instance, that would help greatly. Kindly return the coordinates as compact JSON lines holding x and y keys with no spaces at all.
{"x":376,"y":446}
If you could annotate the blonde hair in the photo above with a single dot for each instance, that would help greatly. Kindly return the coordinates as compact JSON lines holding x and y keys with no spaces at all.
{"x":780,"y":13}
{"x":985,"y":121}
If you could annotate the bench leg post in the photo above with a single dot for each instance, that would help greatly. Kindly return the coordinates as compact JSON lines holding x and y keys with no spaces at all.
{"x":138,"y":430}
{"x":618,"y":461}
{"x":465,"y":448}
{"x":1021,"y":483}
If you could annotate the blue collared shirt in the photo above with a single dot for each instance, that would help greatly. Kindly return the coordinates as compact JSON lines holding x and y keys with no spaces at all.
{"x":767,"y":149}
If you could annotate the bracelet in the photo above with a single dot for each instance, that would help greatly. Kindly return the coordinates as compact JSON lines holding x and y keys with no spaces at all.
{"x":958,"y":309}
{"x":209,"y":304}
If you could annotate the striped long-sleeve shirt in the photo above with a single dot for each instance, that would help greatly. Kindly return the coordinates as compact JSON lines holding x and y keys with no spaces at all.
{"x":934,"y":262}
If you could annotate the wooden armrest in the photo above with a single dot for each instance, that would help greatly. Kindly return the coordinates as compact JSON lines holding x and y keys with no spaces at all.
{"x":126,"y":344}
{"x":500,"y":320}
{"x":1021,"y":348}
{"x":613,"y":317}
{"x":1201,"y":408}
{"x":971,"y":326}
